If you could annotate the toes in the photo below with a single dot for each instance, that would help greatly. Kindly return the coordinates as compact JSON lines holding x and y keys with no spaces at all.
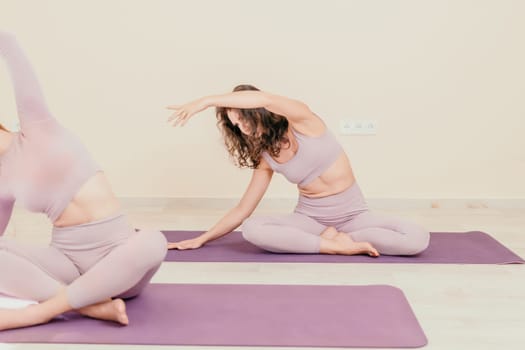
{"x":124,"y":320}
{"x":122,"y":317}
{"x":374,"y":252}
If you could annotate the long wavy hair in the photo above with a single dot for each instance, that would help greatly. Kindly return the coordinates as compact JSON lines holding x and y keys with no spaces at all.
{"x":268,"y":133}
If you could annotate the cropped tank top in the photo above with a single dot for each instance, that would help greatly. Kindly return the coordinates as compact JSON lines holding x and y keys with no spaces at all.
{"x":314,"y":155}
{"x":45,"y":165}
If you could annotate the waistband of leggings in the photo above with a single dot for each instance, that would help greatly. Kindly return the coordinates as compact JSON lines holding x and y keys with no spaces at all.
{"x":114,"y":226}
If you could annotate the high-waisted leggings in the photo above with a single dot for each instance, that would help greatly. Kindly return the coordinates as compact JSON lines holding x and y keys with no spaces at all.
{"x":94,"y":261}
{"x":347,"y":211}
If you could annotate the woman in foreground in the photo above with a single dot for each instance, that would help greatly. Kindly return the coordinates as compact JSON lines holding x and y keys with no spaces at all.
{"x":95,"y":258}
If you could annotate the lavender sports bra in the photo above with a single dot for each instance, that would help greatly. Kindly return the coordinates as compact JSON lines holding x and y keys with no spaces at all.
{"x":314,"y":155}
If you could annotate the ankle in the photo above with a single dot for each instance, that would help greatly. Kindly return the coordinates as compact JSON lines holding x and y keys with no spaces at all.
{"x":329,"y":246}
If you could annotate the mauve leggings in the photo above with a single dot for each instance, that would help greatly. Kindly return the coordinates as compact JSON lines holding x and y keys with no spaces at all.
{"x":96,"y":261}
{"x":347,"y":211}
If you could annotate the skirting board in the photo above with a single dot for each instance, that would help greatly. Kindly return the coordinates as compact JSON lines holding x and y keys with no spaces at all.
{"x":288,"y":204}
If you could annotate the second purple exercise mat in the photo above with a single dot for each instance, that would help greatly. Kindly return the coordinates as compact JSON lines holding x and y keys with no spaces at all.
{"x":473,"y":247}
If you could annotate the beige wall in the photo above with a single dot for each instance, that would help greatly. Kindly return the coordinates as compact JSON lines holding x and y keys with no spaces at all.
{"x":444,"y":80}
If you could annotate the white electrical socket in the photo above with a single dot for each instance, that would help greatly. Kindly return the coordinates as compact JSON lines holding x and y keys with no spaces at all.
{"x":357,"y":127}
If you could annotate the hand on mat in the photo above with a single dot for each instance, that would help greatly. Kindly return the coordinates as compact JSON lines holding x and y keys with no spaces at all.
{"x":193,"y":243}
{"x":182,"y":113}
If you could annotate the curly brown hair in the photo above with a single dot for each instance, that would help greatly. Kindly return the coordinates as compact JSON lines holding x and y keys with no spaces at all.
{"x":268,"y":133}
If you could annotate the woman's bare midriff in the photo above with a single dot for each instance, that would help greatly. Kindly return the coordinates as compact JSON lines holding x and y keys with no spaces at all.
{"x":337,"y":178}
{"x":94,"y":201}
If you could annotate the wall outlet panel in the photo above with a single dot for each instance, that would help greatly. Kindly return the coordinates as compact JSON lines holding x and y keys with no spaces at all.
{"x":357,"y":127}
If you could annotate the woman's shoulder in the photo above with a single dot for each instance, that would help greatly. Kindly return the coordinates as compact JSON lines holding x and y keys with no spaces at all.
{"x":264,"y":163}
{"x":310,"y":127}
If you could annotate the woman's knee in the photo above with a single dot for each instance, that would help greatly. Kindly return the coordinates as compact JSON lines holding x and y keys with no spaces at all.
{"x":419,"y":241}
{"x":154,"y":247}
{"x":252,"y":229}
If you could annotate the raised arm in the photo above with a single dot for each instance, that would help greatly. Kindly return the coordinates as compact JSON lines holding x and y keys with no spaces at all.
{"x":261,"y":178}
{"x":295,"y":111}
{"x":6,"y":209}
{"x":30,"y":101}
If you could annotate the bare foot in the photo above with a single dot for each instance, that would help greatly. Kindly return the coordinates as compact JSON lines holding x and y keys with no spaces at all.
{"x":347,"y":246}
{"x":329,"y":233}
{"x":111,"y":310}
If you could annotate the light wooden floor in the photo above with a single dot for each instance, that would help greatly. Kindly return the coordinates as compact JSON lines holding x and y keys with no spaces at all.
{"x":459,"y":306}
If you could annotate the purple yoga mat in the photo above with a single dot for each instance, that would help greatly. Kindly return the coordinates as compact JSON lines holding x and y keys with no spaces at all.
{"x":445,"y":248}
{"x":246,"y":315}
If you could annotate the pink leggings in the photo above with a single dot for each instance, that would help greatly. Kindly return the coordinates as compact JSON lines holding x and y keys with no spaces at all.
{"x":347,"y":211}
{"x":96,"y":261}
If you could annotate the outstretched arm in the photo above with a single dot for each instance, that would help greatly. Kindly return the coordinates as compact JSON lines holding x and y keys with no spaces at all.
{"x":30,"y":101}
{"x":6,"y":209}
{"x":259,"y":183}
{"x":295,"y":111}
